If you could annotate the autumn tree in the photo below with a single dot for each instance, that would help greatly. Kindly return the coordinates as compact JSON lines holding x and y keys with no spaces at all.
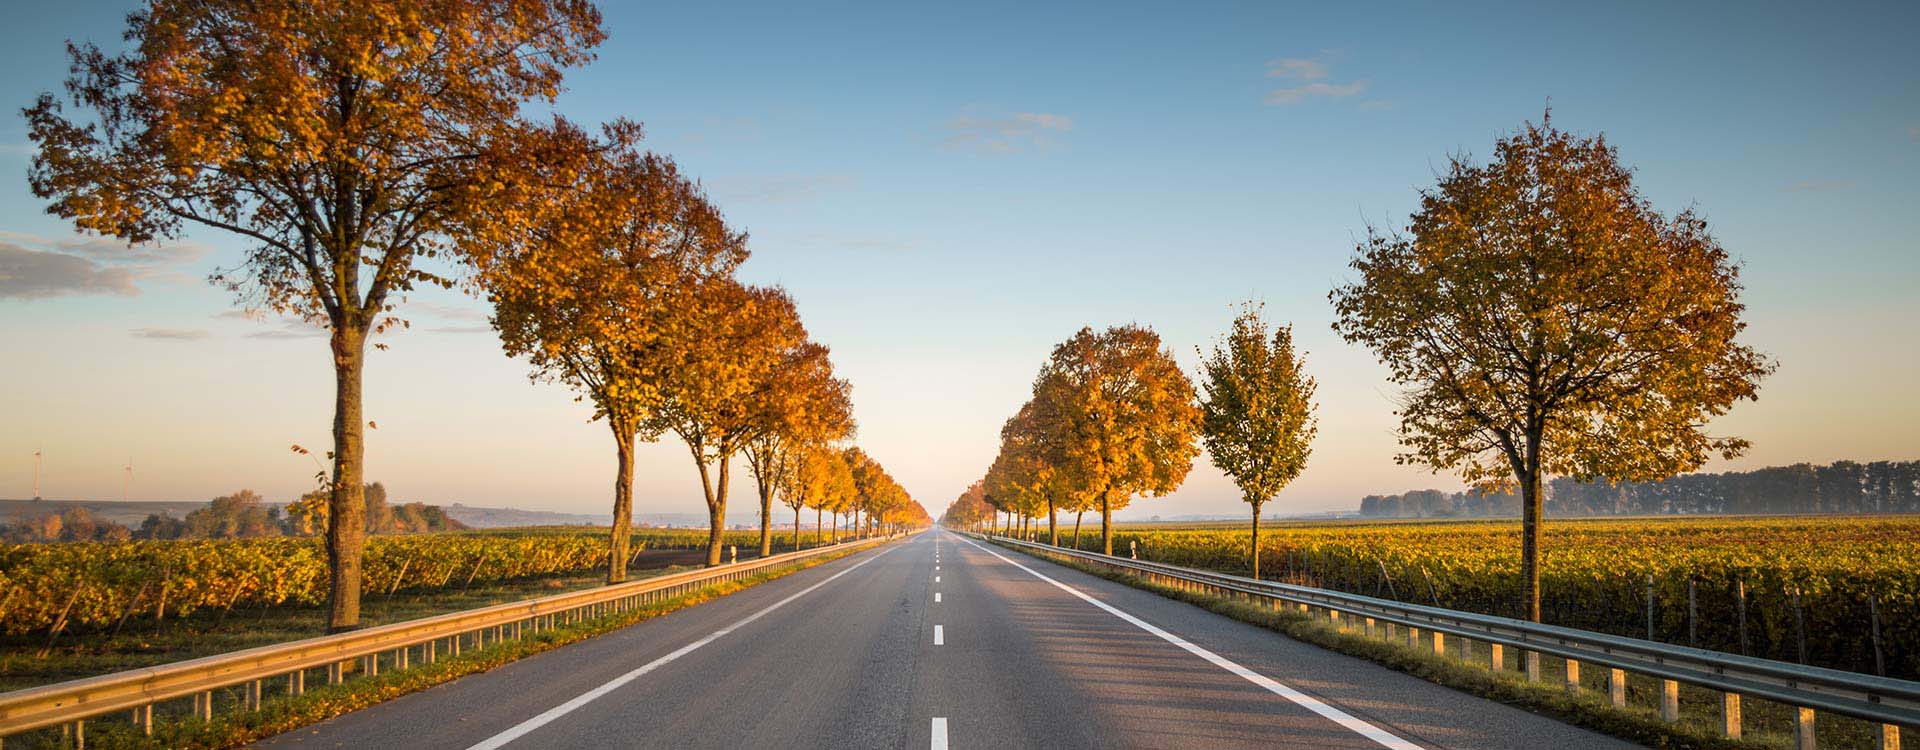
{"x":586,"y":284}
{"x":1543,"y":318}
{"x":341,"y":141}
{"x":1128,"y":412}
{"x":718,"y":366}
{"x":1256,"y":411}
{"x":803,"y":406}
{"x":802,"y":479}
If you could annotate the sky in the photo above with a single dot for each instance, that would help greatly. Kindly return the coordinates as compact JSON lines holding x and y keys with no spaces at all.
{"x":950,"y":190}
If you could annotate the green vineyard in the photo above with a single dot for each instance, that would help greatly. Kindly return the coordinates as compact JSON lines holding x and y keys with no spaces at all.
{"x":1834,"y":592}
{"x":83,"y":586}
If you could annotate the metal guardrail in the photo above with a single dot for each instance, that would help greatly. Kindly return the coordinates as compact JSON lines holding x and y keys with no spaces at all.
{"x":137,"y":690}
{"x":1889,"y":703}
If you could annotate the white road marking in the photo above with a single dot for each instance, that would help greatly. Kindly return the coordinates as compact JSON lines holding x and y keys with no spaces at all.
{"x":936,"y":579}
{"x":939,"y":733}
{"x":939,"y":635}
{"x":1337,"y":716}
{"x":936,"y":597}
{"x":520,"y":730}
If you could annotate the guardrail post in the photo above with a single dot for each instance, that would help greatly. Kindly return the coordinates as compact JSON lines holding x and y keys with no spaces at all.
{"x":1532,"y":658}
{"x":400,"y":658}
{"x":1730,"y":715}
{"x":1669,"y":701}
{"x":203,"y":705}
{"x":143,"y":718}
{"x":1617,"y":687}
{"x":373,"y":665}
{"x":253,"y":695}
{"x":1803,"y":738}
{"x":297,"y":682}
{"x":1496,"y":657}
{"x":334,"y":676}
{"x":1887,"y":737}
{"x":1439,"y":643}
{"x":1573,"y":676}
{"x":80,"y":735}
{"x":430,"y":651}
{"x":1368,"y":626}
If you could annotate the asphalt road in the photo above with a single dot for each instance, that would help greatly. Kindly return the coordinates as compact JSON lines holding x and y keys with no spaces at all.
{"x":937,"y":642}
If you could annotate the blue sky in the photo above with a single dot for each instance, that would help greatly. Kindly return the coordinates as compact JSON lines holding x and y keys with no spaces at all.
{"x":949,"y":190}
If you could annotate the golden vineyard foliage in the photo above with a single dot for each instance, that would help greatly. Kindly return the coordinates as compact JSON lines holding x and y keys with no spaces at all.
{"x":106,"y":581}
{"x":1595,"y":575}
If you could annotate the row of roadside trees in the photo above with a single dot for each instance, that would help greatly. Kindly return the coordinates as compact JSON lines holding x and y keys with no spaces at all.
{"x":1540,"y":316}
{"x":364,"y":150}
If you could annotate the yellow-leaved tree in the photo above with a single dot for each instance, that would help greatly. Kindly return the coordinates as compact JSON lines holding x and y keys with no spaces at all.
{"x":1257,"y":412}
{"x":1543,"y":318}
{"x":804,"y":406}
{"x":588,"y":287}
{"x":717,"y":367}
{"x":343,"y":142}
{"x":1127,"y":412}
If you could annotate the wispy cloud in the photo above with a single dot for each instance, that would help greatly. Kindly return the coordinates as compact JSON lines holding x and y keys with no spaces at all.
{"x":855,"y":242}
{"x":787,"y":188}
{"x":35,"y":267}
{"x":171,"y":334}
{"x":446,"y":312}
{"x":1297,"y":68}
{"x":1298,"y":94}
{"x":1307,"y":79}
{"x":1003,"y":135}
{"x":1818,"y":186}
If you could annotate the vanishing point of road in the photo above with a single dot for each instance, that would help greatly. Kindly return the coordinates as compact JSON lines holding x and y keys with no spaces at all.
{"x":939,"y":642}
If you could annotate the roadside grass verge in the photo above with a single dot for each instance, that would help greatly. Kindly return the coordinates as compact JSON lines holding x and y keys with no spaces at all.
{"x":1767,"y":725}
{"x":232,"y":726}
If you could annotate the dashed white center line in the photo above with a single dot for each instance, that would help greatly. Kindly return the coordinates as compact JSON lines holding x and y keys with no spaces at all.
{"x":936,"y":579}
{"x":939,"y":635}
{"x":939,"y":733}
{"x":936,"y":597}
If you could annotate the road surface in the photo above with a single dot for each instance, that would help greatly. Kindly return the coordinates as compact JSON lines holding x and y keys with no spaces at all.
{"x":939,"y":642}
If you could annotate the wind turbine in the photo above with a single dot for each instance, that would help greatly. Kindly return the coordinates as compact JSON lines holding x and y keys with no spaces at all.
{"x":36,"y":473}
{"x":128,"y":480}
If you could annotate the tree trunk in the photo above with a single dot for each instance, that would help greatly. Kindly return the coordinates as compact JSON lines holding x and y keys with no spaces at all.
{"x":622,"y":501}
{"x":1053,"y":533}
{"x":1076,"y":528}
{"x":836,"y":527}
{"x":766,"y":518}
{"x":717,"y":516}
{"x":1530,"y":512}
{"x":347,"y":508}
{"x":1256,"y":541}
{"x":796,"y":528}
{"x":819,"y":528}
{"x":1106,"y":523}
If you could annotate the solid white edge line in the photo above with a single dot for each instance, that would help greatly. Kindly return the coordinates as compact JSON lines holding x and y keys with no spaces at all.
{"x":521,"y":729}
{"x":1337,"y":716}
{"x":939,"y":733}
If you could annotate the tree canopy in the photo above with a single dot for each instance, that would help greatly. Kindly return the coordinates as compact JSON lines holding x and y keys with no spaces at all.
{"x":1543,"y":318}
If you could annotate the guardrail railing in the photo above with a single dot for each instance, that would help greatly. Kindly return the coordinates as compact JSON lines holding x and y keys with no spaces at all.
{"x":394,"y":646}
{"x":1888,"y":703}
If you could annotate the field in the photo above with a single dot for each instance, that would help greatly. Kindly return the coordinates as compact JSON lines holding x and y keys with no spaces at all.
{"x":1816,"y":589}
{"x":60,"y":590}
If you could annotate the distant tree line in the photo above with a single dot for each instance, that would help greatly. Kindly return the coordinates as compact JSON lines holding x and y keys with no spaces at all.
{"x":1840,"y":487}
{"x":243,"y":514}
